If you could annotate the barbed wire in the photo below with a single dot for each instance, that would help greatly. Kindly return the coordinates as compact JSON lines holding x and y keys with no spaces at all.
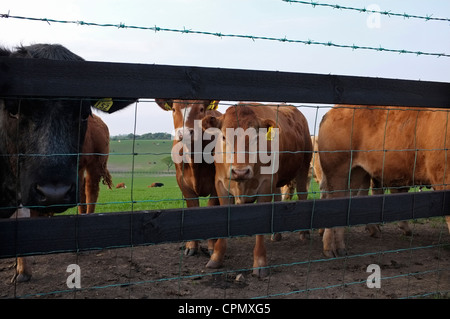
{"x":225,"y":35}
{"x":364,"y":10}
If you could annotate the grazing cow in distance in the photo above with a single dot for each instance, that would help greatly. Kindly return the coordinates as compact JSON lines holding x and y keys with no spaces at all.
{"x":396,"y":147}
{"x":242,"y":175}
{"x":48,"y":133}
{"x":93,"y":164}
{"x":156,"y":185}
{"x":194,"y":177}
{"x":121,"y":185}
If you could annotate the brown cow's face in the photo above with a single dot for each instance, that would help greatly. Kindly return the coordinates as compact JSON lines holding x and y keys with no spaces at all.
{"x":243,"y":140}
{"x":187,"y":115}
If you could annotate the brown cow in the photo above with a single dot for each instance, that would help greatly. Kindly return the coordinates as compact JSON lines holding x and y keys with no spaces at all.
{"x":244,"y":175}
{"x":194,"y":177}
{"x":397,"y":147}
{"x":121,"y":185}
{"x":156,"y":185}
{"x":93,"y":164}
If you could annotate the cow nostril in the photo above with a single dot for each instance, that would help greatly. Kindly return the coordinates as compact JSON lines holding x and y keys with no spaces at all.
{"x":241,"y":173}
{"x":50,"y":194}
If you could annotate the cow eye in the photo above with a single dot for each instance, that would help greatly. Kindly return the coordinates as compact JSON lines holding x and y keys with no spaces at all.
{"x":14,"y":116}
{"x":12,"y":108}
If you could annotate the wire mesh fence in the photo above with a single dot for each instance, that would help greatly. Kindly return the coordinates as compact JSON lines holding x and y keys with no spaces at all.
{"x":338,"y":237}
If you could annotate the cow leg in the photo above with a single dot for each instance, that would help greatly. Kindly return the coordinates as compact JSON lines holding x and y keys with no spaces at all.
{"x":23,"y":264}
{"x":403,"y":225}
{"x":259,"y":258}
{"x":373,"y":229}
{"x":302,"y":182}
{"x":333,"y":239}
{"x":92,"y":189}
{"x":82,"y":194}
{"x":447,"y":218}
{"x":217,"y":257}
{"x":191,"y":247}
{"x":278,"y":197}
{"x":212,"y":201}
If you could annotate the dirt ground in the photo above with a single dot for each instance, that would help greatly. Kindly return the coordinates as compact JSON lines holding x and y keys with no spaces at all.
{"x":417,"y":266}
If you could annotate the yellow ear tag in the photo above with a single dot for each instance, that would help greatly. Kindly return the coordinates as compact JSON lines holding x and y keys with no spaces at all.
{"x":270,"y":134}
{"x":104,"y":104}
{"x":167,"y":106}
{"x":213,"y":106}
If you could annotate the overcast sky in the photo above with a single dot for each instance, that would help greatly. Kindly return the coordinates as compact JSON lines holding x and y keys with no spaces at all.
{"x":270,"y":18}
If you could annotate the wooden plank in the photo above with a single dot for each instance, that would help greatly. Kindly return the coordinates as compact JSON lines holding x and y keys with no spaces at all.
{"x":33,"y":77}
{"x":97,"y":231}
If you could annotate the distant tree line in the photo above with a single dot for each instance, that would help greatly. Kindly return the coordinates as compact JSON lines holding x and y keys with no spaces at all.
{"x":146,"y":136}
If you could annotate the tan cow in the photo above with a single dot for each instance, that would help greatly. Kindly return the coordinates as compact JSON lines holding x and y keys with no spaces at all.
{"x":195,"y":177}
{"x":397,"y":147}
{"x":245,"y":175}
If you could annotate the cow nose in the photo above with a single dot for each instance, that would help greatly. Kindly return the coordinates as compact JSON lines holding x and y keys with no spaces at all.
{"x":241,"y":173}
{"x":52,"y":194}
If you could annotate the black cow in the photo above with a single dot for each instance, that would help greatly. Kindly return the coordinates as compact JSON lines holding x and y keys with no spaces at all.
{"x":40,"y":142}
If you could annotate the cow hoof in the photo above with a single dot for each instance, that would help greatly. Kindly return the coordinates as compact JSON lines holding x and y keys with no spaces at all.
{"x":374,"y":231}
{"x":407,"y":233}
{"x":261,"y":272}
{"x":304,"y":235}
{"x":21,"y":278}
{"x":190,"y":251}
{"x":276,"y":237}
{"x":211,"y":251}
{"x":212,"y":264}
{"x":329,"y":253}
{"x":340,"y":252}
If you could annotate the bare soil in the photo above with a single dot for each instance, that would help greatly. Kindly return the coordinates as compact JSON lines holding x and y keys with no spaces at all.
{"x":416,"y":266}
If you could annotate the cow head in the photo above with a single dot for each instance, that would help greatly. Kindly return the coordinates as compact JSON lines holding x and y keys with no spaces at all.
{"x":244,"y":140}
{"x":43,"y":138}
{"x":186,"y":113}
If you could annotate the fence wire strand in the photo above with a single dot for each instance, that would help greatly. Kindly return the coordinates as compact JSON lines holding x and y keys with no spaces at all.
{"x":240,"y":36}
{"x":388,"y":13}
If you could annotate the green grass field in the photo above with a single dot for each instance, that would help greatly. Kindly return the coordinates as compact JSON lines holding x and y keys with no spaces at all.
{"x":147,"y":158}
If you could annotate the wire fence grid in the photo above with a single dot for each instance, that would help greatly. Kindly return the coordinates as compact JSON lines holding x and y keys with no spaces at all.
{"x":413,"y":266}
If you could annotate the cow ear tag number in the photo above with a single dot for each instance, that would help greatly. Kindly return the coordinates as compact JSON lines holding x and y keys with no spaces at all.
{"x":167,"y":106}
{"x":104,"y":104}
{"x":213,"y":105}
{"x":270,"y":135}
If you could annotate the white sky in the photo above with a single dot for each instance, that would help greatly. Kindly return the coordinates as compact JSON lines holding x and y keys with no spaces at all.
{"x":272,"y":18}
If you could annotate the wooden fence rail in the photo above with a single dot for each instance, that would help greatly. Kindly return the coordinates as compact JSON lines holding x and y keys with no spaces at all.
{"x":112,"y":230}
{"x":48,"y":78}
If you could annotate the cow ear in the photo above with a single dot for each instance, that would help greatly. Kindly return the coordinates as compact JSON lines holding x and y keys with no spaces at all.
{"x":269,"y":125}
{"x":166,"y":105}
{"x":213,"y":105}
{"x":111,"y":105}
{"x":210,"y":121}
